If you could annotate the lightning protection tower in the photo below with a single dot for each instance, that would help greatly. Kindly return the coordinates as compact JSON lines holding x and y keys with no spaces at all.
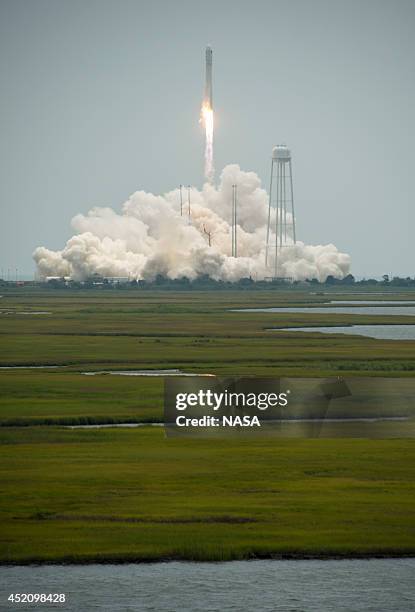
{"x":281,"y":220}
{"x":234,"y":223}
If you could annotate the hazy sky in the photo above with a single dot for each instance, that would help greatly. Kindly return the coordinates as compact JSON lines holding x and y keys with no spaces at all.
{"x":100,"y":98}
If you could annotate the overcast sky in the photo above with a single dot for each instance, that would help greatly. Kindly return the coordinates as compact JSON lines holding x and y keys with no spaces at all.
{"x":100,"y":98}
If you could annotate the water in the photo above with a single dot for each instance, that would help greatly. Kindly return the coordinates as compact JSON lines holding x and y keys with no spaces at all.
{"x":354,"y":310}
{"x":371,"y":302}
{"x":35,"y":312}
{"x":267,"y":422}
{"x":377,"y":585}
{"x":19,"y":312}
{"x":144,"y":373}
{"x":106,"y":425}
{"x":381,"y":332}
{"x":112,"y":372}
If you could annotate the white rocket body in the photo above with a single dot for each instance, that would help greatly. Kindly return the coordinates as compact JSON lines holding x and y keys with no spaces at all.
{"x":208,"y":84}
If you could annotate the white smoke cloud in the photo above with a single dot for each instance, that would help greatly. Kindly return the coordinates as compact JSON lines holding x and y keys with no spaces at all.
{"x":149,"y":237}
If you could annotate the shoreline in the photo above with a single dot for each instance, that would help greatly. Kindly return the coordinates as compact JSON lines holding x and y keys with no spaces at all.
{"x":137,"y":560}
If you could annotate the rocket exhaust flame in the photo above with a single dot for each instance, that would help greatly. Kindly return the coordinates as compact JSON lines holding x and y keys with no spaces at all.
{"x":206,"y":118}
{"x":207,"y":121}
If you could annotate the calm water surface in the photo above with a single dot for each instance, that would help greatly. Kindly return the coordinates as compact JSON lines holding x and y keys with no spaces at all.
{"x":381,"y":332}
{"x":371,"y":302}
{"x":378,"y":585}
{"x":357,"y":310}
{"x":143,"y":373}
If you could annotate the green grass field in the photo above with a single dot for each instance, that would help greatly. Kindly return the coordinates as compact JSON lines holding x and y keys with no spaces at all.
{"x":133,"y":494}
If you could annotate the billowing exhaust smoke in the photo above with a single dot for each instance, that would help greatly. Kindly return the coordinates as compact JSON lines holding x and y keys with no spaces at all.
{"x":150,"y":237}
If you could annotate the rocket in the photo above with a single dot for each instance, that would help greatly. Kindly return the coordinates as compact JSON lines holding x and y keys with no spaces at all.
{"x":206,"y":118}
{"x":208,"y":84}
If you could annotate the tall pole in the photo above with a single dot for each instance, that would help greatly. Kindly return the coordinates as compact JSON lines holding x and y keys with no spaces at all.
{"x":285,"y":208}
{"x":208,"y":234}
{"x":181,"y":200}
{"x":269,"y":213}
{"x":235,"y":221}
{"x":232,"y":220}
{"x":188,"y":200}
{"x":292,"y":201}
{"x":281,"y":210}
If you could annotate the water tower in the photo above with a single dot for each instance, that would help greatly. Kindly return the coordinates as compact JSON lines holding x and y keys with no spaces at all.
{"x":281,"y":220}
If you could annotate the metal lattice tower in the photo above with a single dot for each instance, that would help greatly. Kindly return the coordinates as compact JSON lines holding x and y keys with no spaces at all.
{"x":281,"y":220}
